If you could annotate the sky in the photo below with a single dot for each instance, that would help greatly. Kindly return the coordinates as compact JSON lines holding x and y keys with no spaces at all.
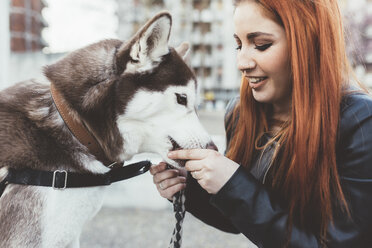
{"x":73,"y":24}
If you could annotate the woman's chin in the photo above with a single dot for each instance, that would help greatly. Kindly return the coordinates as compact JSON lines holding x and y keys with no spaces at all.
{"x":261,"y":96}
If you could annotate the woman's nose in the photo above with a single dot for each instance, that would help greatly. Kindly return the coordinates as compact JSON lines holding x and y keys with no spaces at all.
{"x":245,"y":61}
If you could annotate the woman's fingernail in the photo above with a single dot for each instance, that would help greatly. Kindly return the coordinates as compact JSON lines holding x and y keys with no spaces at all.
{"x":170,"y":154}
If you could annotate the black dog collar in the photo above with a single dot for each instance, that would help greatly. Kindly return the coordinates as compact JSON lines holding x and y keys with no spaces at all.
{"x":61,"y":179}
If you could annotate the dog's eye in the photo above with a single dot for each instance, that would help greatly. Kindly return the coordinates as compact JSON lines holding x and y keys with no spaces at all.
{"x":181,"y":99}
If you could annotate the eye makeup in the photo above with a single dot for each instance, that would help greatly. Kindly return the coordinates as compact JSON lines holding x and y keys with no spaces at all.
{"x":259,"y":43}
{"x":263,"y":47}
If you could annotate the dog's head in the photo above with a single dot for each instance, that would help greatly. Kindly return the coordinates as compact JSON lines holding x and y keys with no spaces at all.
{"x":136,"y":96}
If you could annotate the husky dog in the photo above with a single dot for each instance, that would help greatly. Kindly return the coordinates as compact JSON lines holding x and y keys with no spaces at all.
{"x":133,"y":97}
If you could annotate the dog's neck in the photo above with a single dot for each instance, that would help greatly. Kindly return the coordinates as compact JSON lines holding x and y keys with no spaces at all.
{"x":79,"y":130}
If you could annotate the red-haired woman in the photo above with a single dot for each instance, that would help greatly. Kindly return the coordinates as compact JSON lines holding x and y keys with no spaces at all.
{"x":298,"y":166}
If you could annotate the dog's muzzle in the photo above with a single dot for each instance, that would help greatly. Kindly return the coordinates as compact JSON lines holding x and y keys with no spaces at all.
{"x":176,"y":146}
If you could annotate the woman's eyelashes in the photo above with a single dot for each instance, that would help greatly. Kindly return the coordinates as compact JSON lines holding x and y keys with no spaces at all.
{"x":263,"y":47}
{"x":258,"y":47}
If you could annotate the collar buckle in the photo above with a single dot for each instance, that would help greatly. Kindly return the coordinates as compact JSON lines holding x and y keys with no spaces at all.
{"x":54,"y":179}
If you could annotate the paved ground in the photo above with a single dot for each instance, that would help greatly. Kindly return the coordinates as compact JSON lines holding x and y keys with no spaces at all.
{"x":135,"y":216}
{"x":145,"y":228}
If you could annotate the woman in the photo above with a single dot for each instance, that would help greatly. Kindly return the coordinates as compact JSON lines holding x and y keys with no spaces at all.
{"x":298,"y":166}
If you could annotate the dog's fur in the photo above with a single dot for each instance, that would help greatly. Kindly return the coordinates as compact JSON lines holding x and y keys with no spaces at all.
{"x":135,"y":96}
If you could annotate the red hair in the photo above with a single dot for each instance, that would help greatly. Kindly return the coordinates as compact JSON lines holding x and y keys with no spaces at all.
{"x":305,"y":172}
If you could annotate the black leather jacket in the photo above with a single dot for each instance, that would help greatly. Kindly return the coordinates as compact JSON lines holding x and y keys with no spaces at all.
{"x":245,"y":205}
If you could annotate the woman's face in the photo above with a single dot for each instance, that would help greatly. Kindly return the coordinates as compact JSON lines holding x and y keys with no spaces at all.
{"x":263,"y":55}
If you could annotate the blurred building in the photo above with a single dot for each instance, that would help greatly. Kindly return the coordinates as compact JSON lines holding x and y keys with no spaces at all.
{"x":358,"y":29}
{"x":132,"y":14}
{"x":26,"y":24}
{"x":4,"y":41}
{"x":21,"y":43}
{"x":207,"y":26}
{"x":367,"y":43}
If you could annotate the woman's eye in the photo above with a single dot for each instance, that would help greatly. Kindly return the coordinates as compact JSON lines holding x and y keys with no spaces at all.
{"x":238,"y":47}
{"x":181,"y":99}
{"x":263,"y":47}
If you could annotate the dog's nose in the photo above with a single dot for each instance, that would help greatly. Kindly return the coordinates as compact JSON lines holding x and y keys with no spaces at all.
{"x":212,"y":146}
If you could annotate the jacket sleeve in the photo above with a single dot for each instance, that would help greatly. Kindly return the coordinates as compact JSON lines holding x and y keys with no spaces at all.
{"x":197,"y":199}
{"x":197,"y":203}
{"x":256,"y":212}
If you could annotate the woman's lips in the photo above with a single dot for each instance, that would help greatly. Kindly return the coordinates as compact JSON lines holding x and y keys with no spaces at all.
{"x":254,"y":84}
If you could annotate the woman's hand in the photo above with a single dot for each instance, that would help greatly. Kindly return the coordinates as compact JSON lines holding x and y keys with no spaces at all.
{"x":210,"y":168}
{"x":167,"y":181}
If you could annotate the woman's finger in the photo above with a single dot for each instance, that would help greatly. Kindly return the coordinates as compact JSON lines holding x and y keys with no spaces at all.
{"x":197,"y":174}
{"x":189,"y":154}
{"x":166,"y":174}
{"x":193,"y":165}
{"x":163,"y":185}
{"x":156,"y":168}
{"x":169,"y":192}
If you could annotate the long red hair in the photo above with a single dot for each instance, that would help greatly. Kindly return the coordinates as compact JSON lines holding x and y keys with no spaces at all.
{"x":305,"y":172}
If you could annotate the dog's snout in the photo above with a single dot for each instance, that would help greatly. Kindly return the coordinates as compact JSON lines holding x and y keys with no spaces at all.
{"x":212,"y":146}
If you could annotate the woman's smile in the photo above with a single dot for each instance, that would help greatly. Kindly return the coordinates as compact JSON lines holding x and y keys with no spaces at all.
{"x":257,"y":82}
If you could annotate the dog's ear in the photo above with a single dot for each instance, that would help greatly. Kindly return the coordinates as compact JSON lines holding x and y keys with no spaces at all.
{"x":184,"y":51}
{"x":149,"y":44}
